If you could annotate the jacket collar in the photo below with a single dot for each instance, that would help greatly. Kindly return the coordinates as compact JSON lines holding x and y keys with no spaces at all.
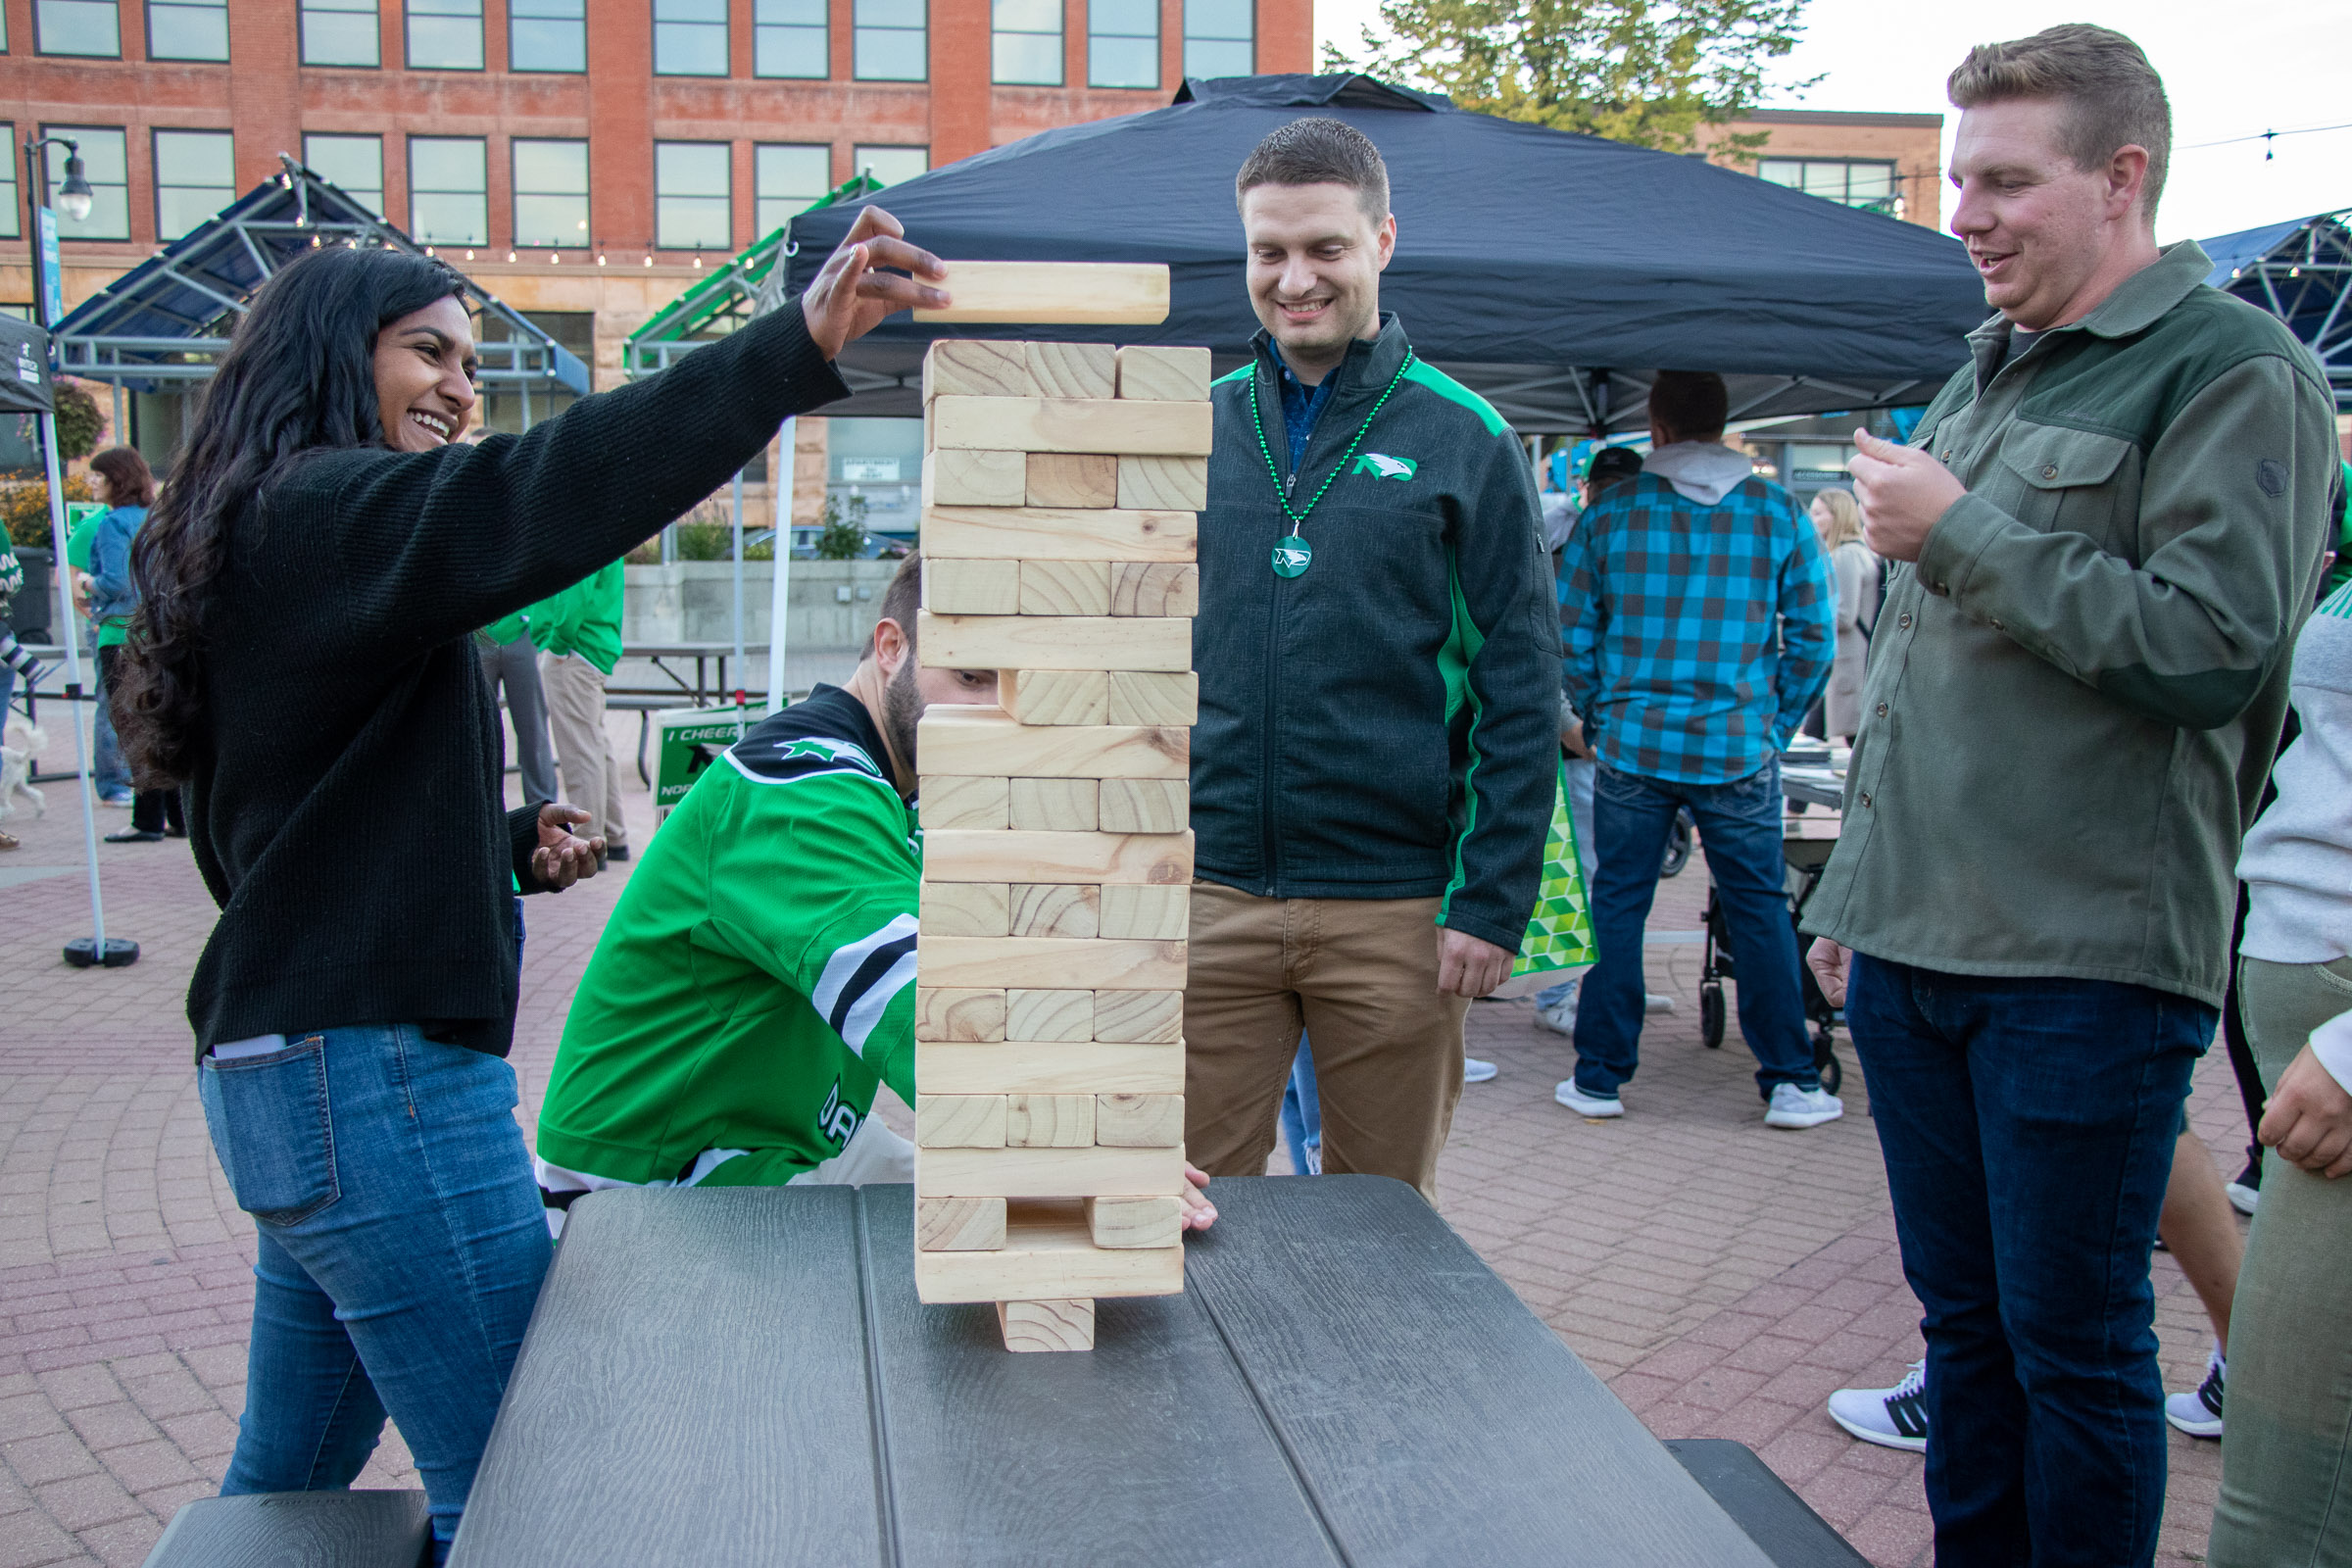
{"x":1371,"y":363}
{"x":2137,"y":303}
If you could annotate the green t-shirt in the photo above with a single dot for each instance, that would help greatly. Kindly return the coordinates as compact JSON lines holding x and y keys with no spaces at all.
{"x":583,"y":620}
{"x":111,"y":633}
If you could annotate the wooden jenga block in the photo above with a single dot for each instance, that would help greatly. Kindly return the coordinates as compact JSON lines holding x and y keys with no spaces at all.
{"x":1039,"y":1015}
{"x":1125,"y":1222}
{"x":1139,"y":1016}
{"x":965,"y":800}
{"x":959,"y":1224}
{"x":1154,"y":588}
{"x":1146,"y":697}
{"x":966,"y":478}
{"x":1050,"y":909}
{"x":1171,"y":375}
{"x":1050,"y":1067}
{"x":1074,"y":369}
{"x":1129,"y":1121}
{"x":971,"y":587}
{"x":1134,"y":804}
{"x":956,"y":855}
{"x":1152,"y":913}
{"x":1052,"y":1121}
{"x":1060,"y":533}
{"x":1049,"y":1172}
{"x":1062,"y":696}
{"x":1071,"y":424}
{"x":1056,"y":805}
{"x":1070,"y":480}
{"x":1061,"y":963}
{"x":1070,"y":293}
{"x":1157,"y":643}
{"x":971,"y":910}
{"x":976,"y":368}
{"x":959,"y":1014}
{"x":961,"y":1121}
{"x":1065,"y":587}
{"x":1048,"y":1248}
{"x":959,"y":740}
{"x":1063,"y":1325}
{"x":1172,"y":484}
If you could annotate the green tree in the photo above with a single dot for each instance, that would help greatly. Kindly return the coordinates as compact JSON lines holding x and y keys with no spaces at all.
{"x":1662,"y":76}
{"x":843,"y":537}
{"x":78,"y":421}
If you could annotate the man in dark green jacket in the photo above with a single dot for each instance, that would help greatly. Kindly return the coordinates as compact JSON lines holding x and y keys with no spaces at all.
{"x":1378,"y":657}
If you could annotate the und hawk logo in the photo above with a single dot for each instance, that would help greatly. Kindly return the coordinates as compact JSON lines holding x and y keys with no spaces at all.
{"x":1380,"y":465}
{"x":803,"y":757}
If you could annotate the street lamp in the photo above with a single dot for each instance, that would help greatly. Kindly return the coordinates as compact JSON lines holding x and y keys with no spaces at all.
{"x":73,"y":198}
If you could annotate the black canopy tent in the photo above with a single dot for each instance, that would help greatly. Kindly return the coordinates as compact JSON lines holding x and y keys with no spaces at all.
{"x":1552,"y":272}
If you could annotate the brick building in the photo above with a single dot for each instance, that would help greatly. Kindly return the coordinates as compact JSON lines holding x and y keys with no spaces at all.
{"x":1892,"y":164}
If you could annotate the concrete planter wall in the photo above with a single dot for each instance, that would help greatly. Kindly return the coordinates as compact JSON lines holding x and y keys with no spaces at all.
{"x":834,"y":603}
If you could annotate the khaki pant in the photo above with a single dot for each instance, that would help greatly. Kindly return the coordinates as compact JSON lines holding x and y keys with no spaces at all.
{"x":1361,"y":977}
{"x":2287,"y":1452}
{"x":576,"y":719}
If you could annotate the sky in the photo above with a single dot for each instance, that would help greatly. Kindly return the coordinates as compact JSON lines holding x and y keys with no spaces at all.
{"x":2274,"y":64}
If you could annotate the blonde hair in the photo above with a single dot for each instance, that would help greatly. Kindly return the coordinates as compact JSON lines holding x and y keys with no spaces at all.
{"x":2113,"y":97}
{"x":1846,"y":518}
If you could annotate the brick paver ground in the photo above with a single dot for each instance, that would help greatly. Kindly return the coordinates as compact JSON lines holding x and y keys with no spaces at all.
{"x":1722,"y":1277}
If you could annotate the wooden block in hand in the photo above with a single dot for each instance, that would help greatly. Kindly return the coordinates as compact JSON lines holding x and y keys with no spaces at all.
{"x":1050,"y":1067}
{"x":1071,"y":424}
{"x":1061,"y":697}
{"x":965,"y":800}
{"x":1070,"y":480}
{"x":957,"y":739}
{"x":1063,"y":1325}
{"x":1124,"y":1222}
{"x":1065,"y":293}
{"x":1059,"y":963}
{"x":1065,"y":587}
{"x":1146,"y":697}
{"x":1050,"y":909}
{"x":1154,"y":588}
{"x":1160,"y":483}
{"x":1139,"y":1016}
{"x":969,"y":909}
{"x":1074,"y":371}
{"x":1168,"y":374}
{"x":1134,"y":804}
{"x":1152,"y":913}
{"x":944,"y":1013}
{"x":1129,"y":1121}
{"x":959,"y":1224}
{"x":1154,"y":643}
{"x":1054,"y":1121}
{"x":1045,"y":1016}
{"x":1060,"y":533}
{"x":953,"y":856}
{"x":1057,"y":804}
{"x":976,"y":368}
{"x":964,"y":478}
{"x":961,"y":1121}
{"x":1049,"y":1172}
{"x":971,"y":587}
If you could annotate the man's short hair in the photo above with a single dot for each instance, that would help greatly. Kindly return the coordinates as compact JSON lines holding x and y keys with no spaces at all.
{"x":2113,"y":97}
{"x":1691,"y":403}
{"x":1318,"y":151}
{"x":905,"y":594}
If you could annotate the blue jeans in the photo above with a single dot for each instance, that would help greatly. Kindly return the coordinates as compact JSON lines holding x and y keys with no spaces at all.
{"x":1740,"y":828}
{"x":110,"y":774}
{"x":401,"y":1246}
{"x":2028,"y":1127}
{"x":1301,"y":1110}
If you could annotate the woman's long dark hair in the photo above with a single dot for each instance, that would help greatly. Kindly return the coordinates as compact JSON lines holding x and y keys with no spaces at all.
{"x":299,"y":377}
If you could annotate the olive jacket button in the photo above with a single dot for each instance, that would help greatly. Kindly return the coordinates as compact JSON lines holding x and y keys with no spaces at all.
{"x":2049,"y":471}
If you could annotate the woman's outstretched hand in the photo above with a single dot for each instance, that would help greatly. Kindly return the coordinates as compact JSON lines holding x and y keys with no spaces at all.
{"x":851,"y":295}
{"x":560,"y":859}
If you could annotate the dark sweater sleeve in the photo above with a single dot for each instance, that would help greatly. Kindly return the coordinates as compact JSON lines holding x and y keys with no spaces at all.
{"x":522,"y":837}
{"x":433,"y":544}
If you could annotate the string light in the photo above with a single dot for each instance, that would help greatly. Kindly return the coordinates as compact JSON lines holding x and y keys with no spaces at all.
{"x":428,"y":250}
{"x":600,"y":257}
{"x":510,"y":256}
{"x":553,"y":259}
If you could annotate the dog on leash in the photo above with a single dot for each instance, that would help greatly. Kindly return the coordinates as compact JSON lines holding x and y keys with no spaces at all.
{"x":21,"y":745}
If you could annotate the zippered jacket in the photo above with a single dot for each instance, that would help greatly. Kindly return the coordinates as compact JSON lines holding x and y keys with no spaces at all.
{"x":1385,"y":724}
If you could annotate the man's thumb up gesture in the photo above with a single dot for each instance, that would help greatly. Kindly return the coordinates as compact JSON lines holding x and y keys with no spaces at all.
{"x":1902,"y":491}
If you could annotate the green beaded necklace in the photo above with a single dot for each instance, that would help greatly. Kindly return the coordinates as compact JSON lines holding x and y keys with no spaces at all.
{"x":1293,"y":555}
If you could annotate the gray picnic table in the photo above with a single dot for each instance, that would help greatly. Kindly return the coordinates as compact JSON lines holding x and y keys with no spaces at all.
{"x":743,"y":1376}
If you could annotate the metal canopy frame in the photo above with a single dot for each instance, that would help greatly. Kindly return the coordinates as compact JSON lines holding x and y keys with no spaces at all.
{"x":168,"y":319}
{"x":2301,"y":272}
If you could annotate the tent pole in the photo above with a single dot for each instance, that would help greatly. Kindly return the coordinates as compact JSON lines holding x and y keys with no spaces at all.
{"x":780,"y":593}
{"x":101,"y":953}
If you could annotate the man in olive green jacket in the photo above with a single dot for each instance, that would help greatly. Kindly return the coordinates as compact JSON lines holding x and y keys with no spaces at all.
{"x":2113,"y":524}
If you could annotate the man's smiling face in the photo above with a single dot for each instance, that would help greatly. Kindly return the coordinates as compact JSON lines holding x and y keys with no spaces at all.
{"x":425,"y":369}
{"x":1315,"y":260}
{"x":2034,"y":222}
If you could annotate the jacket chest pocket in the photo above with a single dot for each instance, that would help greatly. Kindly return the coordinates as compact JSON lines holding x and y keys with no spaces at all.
{"x":2072,"y":481}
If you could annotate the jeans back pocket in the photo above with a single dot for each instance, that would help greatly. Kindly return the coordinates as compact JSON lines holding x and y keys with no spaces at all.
{"x":272,"y":1129}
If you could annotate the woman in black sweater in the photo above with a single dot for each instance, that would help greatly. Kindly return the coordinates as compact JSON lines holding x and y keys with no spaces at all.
{"x":301,"y":666}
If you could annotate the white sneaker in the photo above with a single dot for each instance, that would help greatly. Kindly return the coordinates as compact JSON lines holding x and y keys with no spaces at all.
{"x":1475,"y":1071}
{"x":1652,"y":1004}
{"x":2199,"y":1415}
{"x":1892,"y":1418}
{"x":1793,"y":1106}
{"x":1560,"y":1016}
{"x":1584,"y":1104}
{"x":2243,"y":1197}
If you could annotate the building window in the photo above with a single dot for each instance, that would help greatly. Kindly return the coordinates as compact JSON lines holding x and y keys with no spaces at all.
{"x":445,"y":35}
{"x":1855,"y":182}
{"x":339,"y":33}
{"x":195,"y":176}
{"x":1220,"y":38}
{"x":354,"y":165}
{"x":78,"y":27}
{"x":449,"y":190}
{"x":789,"y":38}
{"x":692,"y":196}
{"x":187,"y":29}
{"x":1122,"y":44}
{"x":547,"y":35}
{"x":1025,"y":48}
{"x":106,"y":165}
{"x":690,"y":37}
{"x":892,"y":43}
{"x":11,"y":225}
{"x":551,"y":194}
{"x":574,"y":330}
{"x":889,"y":164}
{"x":787,"y":181}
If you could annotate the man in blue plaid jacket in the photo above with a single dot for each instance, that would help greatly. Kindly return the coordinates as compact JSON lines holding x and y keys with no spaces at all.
{"x":1698,"y":616}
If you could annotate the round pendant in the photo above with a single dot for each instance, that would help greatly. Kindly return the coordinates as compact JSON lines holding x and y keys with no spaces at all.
{"x":1292,"y":556}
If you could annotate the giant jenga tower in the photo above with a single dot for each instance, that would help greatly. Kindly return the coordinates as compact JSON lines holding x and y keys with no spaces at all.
{"x":1060,"y":486}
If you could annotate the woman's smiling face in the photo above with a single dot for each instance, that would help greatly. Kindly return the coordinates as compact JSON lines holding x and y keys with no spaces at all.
{"x":425,"y":369}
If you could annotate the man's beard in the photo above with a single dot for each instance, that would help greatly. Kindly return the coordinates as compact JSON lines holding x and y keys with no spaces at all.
{"x":902,"y":708}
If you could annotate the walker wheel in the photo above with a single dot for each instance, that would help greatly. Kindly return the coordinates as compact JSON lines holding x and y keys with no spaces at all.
{"x":1710,"y":1017}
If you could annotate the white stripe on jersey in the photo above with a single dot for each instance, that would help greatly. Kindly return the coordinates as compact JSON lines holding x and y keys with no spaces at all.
{"x":858,"y":1013}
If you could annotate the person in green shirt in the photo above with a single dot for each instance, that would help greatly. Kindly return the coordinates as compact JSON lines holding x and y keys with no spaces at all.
{"x":577,"y":633}
{"x":99,"y":553}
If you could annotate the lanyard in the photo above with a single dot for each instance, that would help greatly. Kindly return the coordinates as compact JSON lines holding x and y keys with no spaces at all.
{"x":1293,"y":555}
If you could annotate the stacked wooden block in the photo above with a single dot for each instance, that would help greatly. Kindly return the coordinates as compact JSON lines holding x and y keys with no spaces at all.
{"x":1059,"y":483}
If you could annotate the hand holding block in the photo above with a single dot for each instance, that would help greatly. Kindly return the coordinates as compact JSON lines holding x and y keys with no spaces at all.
{"x":1169,"y":374}
{"x":959,"y":1224}
{"x":977,"y":367}
{"x":1071,"y":424}
{"x":1067,"y":293}
{"x":1156,"y":643}
{"x":1067,"y":1325}
{"x":1056,"y":533}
